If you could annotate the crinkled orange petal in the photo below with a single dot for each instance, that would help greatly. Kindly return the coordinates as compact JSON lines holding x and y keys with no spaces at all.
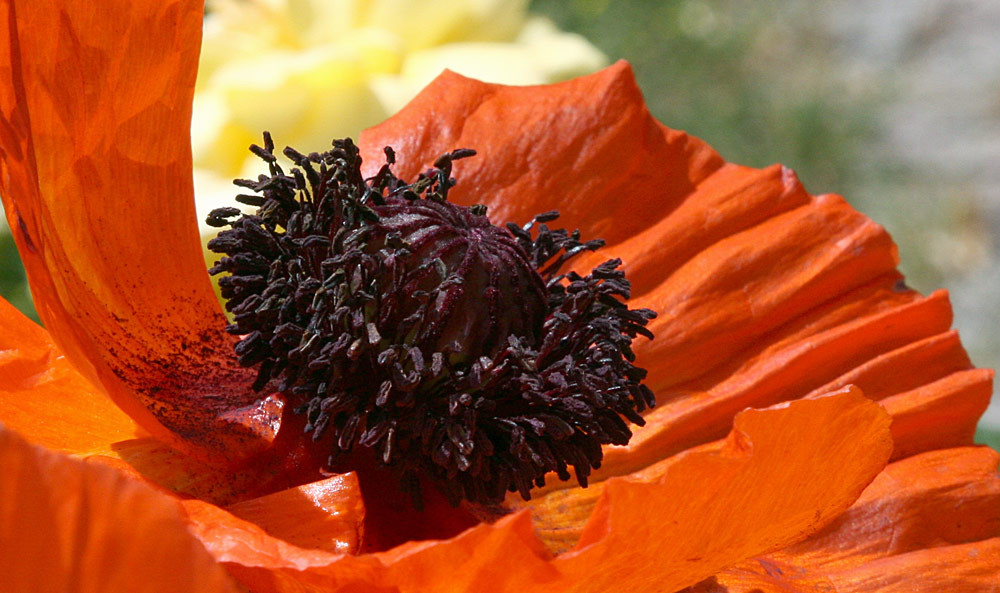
{"x":721,"y":301}
{"x":328,"y":514}
{"x":588,"y":147}
{"x":265,"y":563}
{"x":940,"y":414}
{"x":894,"y":346}
{"x":764,"y":292}
{"x":927,"y":523}
{"x":469,"y":562}
{"x":66,"y":525}
{"x":95,"y":104}
{"x":931,"y":416}
{"x":964,"y":568}
{"x":44,"y":399}
{"x":943,"y":497}
{"x":784,"y":473}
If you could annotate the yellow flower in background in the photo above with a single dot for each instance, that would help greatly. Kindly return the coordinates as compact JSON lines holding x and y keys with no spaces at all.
{"x":311,"y":70}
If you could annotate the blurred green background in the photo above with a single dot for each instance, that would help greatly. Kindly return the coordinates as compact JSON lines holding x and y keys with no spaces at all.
{"x":874,"y":100}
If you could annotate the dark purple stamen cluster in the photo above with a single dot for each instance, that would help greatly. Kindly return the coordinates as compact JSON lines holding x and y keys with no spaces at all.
{"x":397,"y":321}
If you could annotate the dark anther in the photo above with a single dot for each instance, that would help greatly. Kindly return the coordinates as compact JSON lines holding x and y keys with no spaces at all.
{"x":395,"y":320}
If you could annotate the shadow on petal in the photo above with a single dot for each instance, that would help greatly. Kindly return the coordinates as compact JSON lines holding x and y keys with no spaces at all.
{"x":95,"y":108}
{"x":783,"y":474}
{"x":67,"y":525}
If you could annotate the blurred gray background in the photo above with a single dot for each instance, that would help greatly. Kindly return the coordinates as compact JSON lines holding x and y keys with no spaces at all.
{"x":893,"y":104}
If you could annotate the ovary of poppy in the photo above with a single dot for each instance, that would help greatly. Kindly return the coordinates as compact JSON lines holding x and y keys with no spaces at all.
{"x":95,"y":164}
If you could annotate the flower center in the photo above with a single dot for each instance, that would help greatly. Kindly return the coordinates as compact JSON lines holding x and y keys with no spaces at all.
{"x":456,"y":351}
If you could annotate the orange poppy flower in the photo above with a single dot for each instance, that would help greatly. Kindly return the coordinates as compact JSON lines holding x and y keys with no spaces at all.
{"x":767,"y":296}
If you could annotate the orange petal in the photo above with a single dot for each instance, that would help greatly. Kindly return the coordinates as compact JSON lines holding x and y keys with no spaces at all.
{"x":327,"y":515}
{"x":479,"y":560}
{"x":587,"y":147}
{"x":43,"y":398}
{"x":941,"y":414}
{"x":96,"y":181}
{"x":765,"y":293}
{"x":66,"y":525}
{"x":785,"y":473}
{"x":719,"y":303}
{"x":927,"y":523}
{"x":730,"y":200}
{"x":943,"y":497}
{"x":782,"y":474}
{"x":965,"y":568}
{"x":265,"y":563}
{"x":173,"y":471}
{"x":889,"y":341}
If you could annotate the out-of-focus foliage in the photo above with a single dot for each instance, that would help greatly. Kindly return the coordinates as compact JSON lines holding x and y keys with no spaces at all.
{"x":13,"y":285}
{"x":989,"y":437}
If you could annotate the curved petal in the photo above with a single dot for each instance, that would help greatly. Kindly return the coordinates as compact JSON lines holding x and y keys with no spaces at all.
{"x":938,"y":498}
{"x":43,"y":398}
{"x":722,"y":300}
{"x":308,"y":525}
{"x":587,"y":147}
{"x":265,"y":563}
{"x":94,"y":120}
{"x":964,"y":568}
{"x":759,"y":305}
{"x":895,"y":346}
{"x":937,"y":414}
{"x":780,"y":475}
{"x":327,"y":515}
{"x":783,"y":473}
{"x":764,"y":292}
{"x":66,"y":525}
{"x":928,"y":523}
